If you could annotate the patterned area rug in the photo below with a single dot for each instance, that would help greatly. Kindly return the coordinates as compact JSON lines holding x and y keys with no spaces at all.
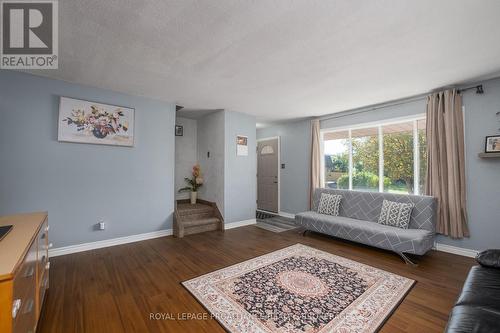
{"x":300,"y":289}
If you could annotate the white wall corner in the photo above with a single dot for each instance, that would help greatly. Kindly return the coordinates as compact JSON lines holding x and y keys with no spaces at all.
{"x":239,"y":224}
{"x":455,"y":250}
{"x":108,"y":242}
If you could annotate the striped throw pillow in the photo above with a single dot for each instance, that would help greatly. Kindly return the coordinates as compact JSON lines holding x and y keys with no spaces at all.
{"x":329,"y":204}
{"x":395,"y":214}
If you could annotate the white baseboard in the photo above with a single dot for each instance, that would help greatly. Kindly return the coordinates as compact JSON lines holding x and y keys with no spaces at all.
{"x":240,"y":224}
{"x":455,"y":250}
{"x":162,"y":233}
{"x":285,"y":214}
{"x":108,"y":242}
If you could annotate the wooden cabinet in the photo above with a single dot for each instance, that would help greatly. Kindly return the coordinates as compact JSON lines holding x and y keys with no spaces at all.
{"x":24,"y":271}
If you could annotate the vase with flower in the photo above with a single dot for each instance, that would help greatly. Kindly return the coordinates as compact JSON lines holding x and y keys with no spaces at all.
{"x":194,"y":183}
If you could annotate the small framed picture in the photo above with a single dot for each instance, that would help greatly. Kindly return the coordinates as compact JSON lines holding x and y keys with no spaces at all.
{"x":179,"y":130}
{"x":241,"y":145}
{"x":492,"y":144}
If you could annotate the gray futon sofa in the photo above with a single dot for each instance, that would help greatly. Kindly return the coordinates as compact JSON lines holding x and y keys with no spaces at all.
{"x":358,"y":216}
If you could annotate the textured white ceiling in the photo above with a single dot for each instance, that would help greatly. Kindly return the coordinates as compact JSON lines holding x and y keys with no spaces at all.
{"x":277,"y":59}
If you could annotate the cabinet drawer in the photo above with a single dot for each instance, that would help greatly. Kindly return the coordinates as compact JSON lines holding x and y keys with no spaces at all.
{"x":43,"y":262}
{"x":25,"y":319}
{"x":44,"y":285}
{"x":43,"y":233}
{"x":25,"y":248}
{"x":43,"y":248}
{"x":23,"y":300}
{"x":25,"y":277}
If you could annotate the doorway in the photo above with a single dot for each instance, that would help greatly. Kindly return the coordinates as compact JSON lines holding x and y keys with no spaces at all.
{"x":268,"y":174}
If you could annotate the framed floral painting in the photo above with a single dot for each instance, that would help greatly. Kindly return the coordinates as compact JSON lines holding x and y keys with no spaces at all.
{"x":90,"y":122}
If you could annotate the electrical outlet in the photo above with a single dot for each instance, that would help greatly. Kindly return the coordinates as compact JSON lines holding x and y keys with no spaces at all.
{"x":102,"y":225}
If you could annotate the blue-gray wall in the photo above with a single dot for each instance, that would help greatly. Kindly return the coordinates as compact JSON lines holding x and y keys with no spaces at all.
{"x":483,"y":175}
{"x":240,"y":183}
{"x":132,"y":189}
{"x":211,"y":139}
{"x":230,"y":180}
{"x":186,"y":154}
{"x":295,"y":149}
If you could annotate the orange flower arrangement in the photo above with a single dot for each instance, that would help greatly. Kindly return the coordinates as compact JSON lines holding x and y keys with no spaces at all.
{"x":195,"y":182}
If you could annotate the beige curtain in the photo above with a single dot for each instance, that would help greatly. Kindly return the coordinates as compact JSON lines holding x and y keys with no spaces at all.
{"x":315,"y":159}
{"x":446,"y":162}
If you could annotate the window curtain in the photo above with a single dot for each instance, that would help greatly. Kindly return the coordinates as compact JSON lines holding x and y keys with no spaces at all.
{"x":446,"y":162}
{"x":315,"y":159}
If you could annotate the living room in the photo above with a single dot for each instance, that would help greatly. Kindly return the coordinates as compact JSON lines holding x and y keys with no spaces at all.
{"x":289,"y":166}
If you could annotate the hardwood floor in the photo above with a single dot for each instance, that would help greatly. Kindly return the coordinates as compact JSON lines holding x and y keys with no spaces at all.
{"x":116,"y":289}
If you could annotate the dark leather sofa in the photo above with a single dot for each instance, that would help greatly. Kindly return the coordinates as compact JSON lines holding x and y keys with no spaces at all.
{"x":478,"y":307}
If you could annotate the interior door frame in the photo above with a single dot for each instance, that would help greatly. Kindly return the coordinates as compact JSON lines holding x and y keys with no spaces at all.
{"x":278,"y":166}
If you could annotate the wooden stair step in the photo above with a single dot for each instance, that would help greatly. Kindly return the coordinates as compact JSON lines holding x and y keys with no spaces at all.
{"x":188,"y":209}
{"x":200,"y":222}
{"x":197,"y":216}
{"x":196,"y":210}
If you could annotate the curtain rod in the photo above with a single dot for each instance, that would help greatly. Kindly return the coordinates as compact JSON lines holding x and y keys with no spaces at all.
{"x":346,"y":113}
{"x":479,"y":89}
{"x":374,"y":107}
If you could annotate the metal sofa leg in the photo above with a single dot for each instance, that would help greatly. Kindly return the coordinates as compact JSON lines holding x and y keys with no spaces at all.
{"x":406,"y":259}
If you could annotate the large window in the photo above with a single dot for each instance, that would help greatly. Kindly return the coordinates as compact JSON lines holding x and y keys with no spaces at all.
{"x":386,"y":157}
{"x":336,"y":153}
{"x":365,"y":159}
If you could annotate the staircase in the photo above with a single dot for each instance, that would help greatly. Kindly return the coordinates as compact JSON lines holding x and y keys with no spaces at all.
{"x":192,"y":219}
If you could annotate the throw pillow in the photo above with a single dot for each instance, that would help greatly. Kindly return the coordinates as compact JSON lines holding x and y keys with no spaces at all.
{"x":395,"y":214}
{"x":329,"y":204}
{"x":489,"y":258}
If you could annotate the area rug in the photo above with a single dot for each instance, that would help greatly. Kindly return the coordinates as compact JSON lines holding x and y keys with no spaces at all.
{"x":260,"y":215}
{"x":300,"y":289}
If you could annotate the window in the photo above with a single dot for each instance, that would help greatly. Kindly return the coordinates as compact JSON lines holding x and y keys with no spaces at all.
{"x":336,"y":148}
{"x":398,"y":156}
{"x":385,"y":157}
{"x":267,"y":150}
{"x":365,"y":159}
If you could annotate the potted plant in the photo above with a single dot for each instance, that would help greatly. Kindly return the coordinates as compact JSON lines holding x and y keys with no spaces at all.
{"x":194,"y":183}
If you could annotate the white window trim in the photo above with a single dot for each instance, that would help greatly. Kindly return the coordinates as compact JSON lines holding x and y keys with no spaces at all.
{"x":416,"y":159}
{"x":380,"y":159}
{"x":322,"y":162}
{"x":379,"y":124}
{"x":351,"y":163}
